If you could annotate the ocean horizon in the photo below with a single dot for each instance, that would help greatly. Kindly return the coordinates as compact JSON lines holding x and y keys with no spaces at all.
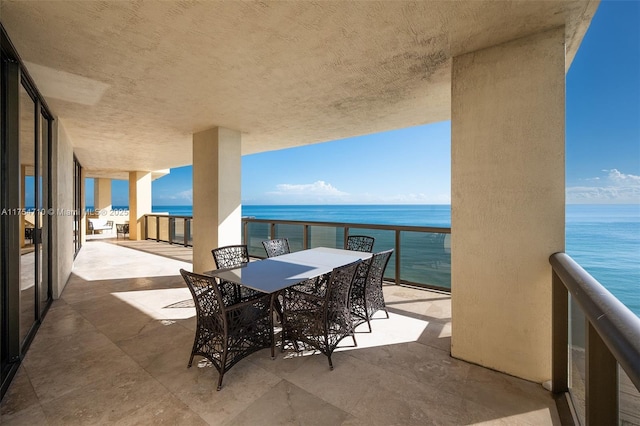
{"x":604,"y":239}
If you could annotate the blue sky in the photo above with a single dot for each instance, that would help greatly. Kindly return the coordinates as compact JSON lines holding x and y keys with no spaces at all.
{"x":602,"y":143}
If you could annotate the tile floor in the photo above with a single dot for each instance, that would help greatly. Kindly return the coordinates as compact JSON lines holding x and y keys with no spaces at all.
{"x":114,"y":350}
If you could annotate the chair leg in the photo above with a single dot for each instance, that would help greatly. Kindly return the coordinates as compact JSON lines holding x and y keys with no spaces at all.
{"x":330,"y":363}
{"x":190,"y":361}
{"x":220,"y":380}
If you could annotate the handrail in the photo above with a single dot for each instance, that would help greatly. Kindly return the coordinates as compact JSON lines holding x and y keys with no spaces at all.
{"x":434,"y":229}
{"x":618,"y":327}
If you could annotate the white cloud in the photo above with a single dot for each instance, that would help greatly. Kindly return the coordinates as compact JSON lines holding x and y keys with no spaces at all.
{"x":182,"y":196}
{"x":185,"y":195}
{"x":319,"y":189}
{"x":322,"y":192}
{"x":615,"y":187}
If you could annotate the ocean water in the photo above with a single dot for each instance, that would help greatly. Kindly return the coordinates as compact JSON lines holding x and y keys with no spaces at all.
{"x":603,"y":239}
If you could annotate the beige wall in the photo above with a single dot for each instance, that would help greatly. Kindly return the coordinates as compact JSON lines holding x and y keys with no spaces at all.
{"x":102,"y":194}
{"x":139,"y":203}
{"x":217,"y":217}
{"x":507,"y":202}
{"x":62,"y":186}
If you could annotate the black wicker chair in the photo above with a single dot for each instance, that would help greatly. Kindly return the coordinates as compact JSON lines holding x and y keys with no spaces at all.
{"x":122,"y":228}
{"x":360,"y":243}
{"x":323,"y":319}
{"x":227,"y":329}
{"x":276,"y":247}
{"x":366,"y":292}
{"x":230,"y":256}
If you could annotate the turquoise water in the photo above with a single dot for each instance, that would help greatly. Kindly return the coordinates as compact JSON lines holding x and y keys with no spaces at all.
{"x":603,"y":239}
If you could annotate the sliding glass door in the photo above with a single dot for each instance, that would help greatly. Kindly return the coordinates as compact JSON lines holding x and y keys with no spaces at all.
{"x":26,"y":211}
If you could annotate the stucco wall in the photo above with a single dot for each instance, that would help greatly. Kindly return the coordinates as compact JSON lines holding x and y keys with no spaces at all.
{"x":62,"y":181}
{"x":507,"y":201}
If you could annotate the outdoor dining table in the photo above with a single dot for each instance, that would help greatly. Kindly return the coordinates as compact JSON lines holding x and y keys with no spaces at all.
{"x":277,"y":273}
{"x":274,"y":274}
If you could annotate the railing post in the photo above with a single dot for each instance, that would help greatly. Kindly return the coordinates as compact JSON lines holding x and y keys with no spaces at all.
{"x":245,"y":228}
{"x":186,"y":231}
{"x":346,"y":236}
{"x":172,"y":229}
{"x":397,"y":252}
{"x":305,"y":237}
{"x":560,"y":331}
{"x":157,"y":228}
{"x":601,"y":381}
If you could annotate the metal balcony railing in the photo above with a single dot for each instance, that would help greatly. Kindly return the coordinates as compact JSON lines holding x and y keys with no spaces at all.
{"x":422,"y":255}
{"x":596,"y":348}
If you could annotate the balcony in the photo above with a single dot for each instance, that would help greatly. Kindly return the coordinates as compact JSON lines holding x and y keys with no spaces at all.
{"x":114,"y":349}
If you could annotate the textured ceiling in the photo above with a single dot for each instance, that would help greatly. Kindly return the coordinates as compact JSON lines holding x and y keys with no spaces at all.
{"x":131,"y":81}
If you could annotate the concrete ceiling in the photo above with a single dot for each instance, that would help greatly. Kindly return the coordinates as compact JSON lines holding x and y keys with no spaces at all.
{"x":131,"y":81}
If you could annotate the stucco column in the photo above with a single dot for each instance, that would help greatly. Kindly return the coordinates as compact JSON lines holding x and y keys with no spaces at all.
{"x":139,"y":203}
{"x":507,"y":201}
{"x":217,"y":207}
{"x":102,"y":194}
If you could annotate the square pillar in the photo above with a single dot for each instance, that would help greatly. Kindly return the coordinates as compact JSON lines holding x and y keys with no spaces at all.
{"x":507,"y":201}
{"x":139,"y":203}
{"x":102,"y":194}
{"x":217,"y":209}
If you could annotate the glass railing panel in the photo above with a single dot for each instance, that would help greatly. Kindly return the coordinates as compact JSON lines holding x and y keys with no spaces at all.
{"x":385,"y":239}
{"x":629,"y":399}
{"x":325,"y":236}
{"x":163,"y":228}
{"x":294,"y":233}
{"x":425,"y":258}
{"x":577,"y":360}
{"x":151,"y":227}
{"x":258,"y":232}
{"x":178,"y":230}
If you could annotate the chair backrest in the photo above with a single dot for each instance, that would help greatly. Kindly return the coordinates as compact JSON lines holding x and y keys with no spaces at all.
{"x":276,"y":247}
{"x":377,"y":267}
{"x":206,"y":294}
{"x":339,"y":286}
{"x":360,"y":243}
{"x":230,"y":256}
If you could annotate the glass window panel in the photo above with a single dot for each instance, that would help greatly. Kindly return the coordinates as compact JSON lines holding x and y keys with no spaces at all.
{"x":258,"y":232}
{"x":178,"y":230}
{"x":426,"y":258}
{"x":294,"y":233}
{"x":163,"y":228}
{"x":326,"y":236}
{"x":629,"y":400}
{"x":45,"y":219}
{"x":27,"y":220}
{"x":151,"y":227}
{"x":384,"y":240}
